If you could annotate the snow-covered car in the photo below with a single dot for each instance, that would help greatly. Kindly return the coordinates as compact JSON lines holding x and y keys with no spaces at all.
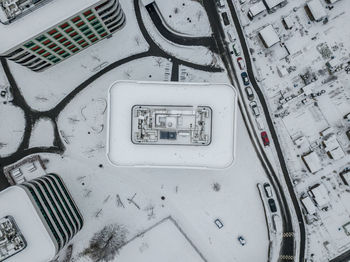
{"x":241,"y":240}
{"x":268,"y":190}
{"x":240,"y":63}
{"x":249,"y":92}
{"x":253,"y":105}
{"x":218,"y":223}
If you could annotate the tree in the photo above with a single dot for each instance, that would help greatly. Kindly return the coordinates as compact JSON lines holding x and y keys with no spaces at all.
{"x":105,"y":244}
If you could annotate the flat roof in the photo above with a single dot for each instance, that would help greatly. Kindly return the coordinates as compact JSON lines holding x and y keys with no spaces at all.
{"x":257,"y":8}
{"x":39,"y":20}
{"x":272,"y":3}
{"x":313,"y":162}
{"x":317,"y":10}
{"x":15,"y":202}
{"x":124,"y":95}
{"x":269,"y":35}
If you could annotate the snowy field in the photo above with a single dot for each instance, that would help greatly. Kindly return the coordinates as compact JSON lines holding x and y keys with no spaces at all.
{"x":138,"y":198}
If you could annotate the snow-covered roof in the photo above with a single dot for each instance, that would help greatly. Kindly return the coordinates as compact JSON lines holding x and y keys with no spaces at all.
{"x":123,"y":97}
{"x":320,"y":194}
{"x":309,"y":205}
{"x":317,"y":10}
{"x":15,"y":202}
{"x":312,"y":162}
{"x":272,"y":3}
{"x":39,"y":20}
{"x":269,"y":36}
{"x":289,"y":21}
{"x":257,"y":8}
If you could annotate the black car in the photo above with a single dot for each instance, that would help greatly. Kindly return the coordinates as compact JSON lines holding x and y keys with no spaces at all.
{"x":272,"y":205}
{"x":245,"y":78}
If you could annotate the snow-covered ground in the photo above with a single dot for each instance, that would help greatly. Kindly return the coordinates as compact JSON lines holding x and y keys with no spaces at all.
{"x":301,"y":111}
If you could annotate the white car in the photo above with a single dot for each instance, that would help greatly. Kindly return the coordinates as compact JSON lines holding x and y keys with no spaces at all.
{"x":268,"y":190}
{"x":218,"y":223}
{"x":253,"y":105}
{"x":241,"y":240}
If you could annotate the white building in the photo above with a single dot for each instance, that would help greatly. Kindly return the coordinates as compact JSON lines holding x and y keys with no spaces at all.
{"x":45,"y":216}
{"x":308,"y":205}
{"x":256,"y":9}
{"x":333,"y":147}
{"x":58,"y":30}
{"x":320,"y":195}
{"x":316,"y":9}
{"x":312,"y":162}
{"x":171,"y":124}
{"x":269,"y":36}
{"x":270,"y":4}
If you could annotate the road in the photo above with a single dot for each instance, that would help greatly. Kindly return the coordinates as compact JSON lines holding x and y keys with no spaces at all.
{"x":33,"y":116}
{"x":160,"y":24}
{"x":273,"y":133}
{"x":345,"y":257}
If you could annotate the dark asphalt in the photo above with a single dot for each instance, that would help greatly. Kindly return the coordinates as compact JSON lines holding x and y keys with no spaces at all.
{"x":32,"y":116}
{"x":177,"y":39}
{"x":345,"y":257}
{"x":289,"y":247}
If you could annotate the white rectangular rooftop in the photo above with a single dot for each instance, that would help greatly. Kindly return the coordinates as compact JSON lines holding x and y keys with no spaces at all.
{"x":217,"y":152}
{"x":257,"y":8}
{"x":320,"y":194}
{"x":312,"y":162}
{"x":15,"y":202}
{"x":317,"y":10}
{"x":272,"y":3}
{"x":269,"y":36}
{"x":39,"y":20}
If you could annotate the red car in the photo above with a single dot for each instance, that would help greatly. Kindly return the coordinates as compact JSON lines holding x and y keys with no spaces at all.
{"x":265,"y":138}
{"x":240,"y":63}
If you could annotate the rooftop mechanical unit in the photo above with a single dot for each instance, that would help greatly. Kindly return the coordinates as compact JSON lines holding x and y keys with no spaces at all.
{"x":11,"y":239}
{"x":175,"y":125}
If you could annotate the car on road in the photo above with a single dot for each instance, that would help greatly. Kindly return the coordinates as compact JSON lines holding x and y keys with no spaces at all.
{"x":253,"y":105}
{"x":249,"y":92}
{"x":272,"y":205}
{"x":268,"y":190}
{"x":245,"y":78}
{"x":240,"y":63}
{"x":218,"y":223}
{"x":265,"y":138}
{"x":241,"y":240}
{"x":260,"y":123}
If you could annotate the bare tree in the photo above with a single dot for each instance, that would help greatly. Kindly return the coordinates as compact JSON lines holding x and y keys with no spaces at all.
{"x":137,"y":40}
{"x":105,"y":244}
{"x":68,"y":254}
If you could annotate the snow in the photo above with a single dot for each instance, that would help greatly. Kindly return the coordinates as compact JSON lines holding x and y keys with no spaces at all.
{"x":272,"y":3}
{"x":15,"y":202}
{"x":125,"y":95}
{"x":40,"y":20}
{"x":309,"y":205}
{"x":320,"y":195}
{"x":317,"y":10}
{"x":269,"y":36}
{"x":312,"y":162}
{"x":11,"y":131}
{"x":43,"y":126}
{"x":257,"y":8}
{"x":165,"y":242}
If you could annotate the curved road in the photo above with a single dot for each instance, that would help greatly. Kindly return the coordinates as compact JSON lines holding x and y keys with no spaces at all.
{"x":250,"y":72}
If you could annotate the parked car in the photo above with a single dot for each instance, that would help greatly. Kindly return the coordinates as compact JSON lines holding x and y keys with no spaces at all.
{"x":268,"y":190}
{"x":260,"y":123}
{"x":245,"y":78}
{"x":225,"y":18}
{"x":253,"y":105}
{"x":236,"y":50}
{"x":241,"y":240}
{"x":249,"y":92}
{"x":272,"y":205}
{"x":218,"y":223}
{"x":240,"y":63}
{"x":265,"y":138}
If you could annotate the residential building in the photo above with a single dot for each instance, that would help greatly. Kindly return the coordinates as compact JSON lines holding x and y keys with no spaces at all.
{"x":58,"y":30}
{"x":45,"y":216}
{"x":269,"y":36}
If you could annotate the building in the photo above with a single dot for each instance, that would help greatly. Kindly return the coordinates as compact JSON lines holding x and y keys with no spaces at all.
{"x":308,"y":205}
{"x":312,"y":162}
{"x":268,"y":36}
{"x":256,"y":9}
{"x":316,"y":10}
{"x":333,"y":148}
{"x":271,"y":4}
{"x":25,"y":170}
{"x":171,"y":124}
{"x":43,"y":216}
{"x":58,"y":30}
{"x":319,"y":194}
